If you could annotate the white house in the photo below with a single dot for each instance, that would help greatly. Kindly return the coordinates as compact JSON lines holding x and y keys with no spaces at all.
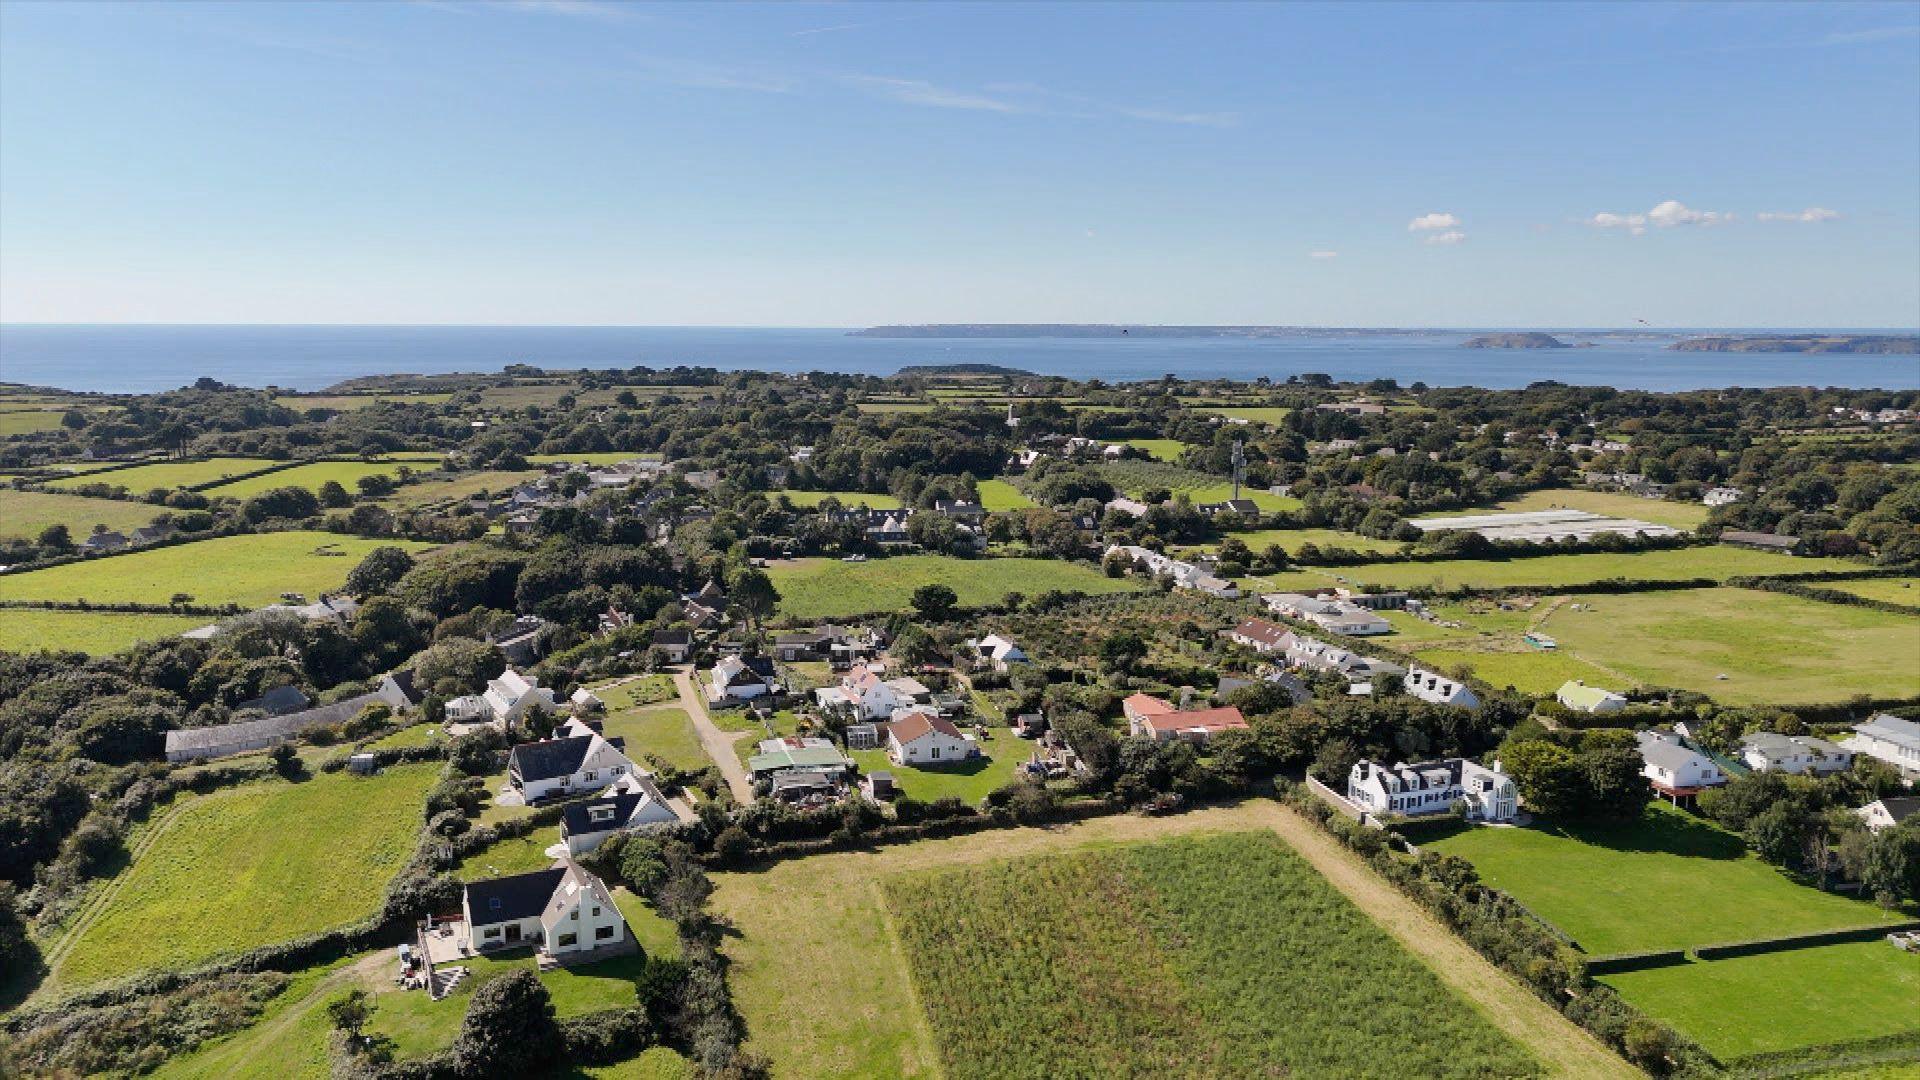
{"x":1721,"y":496}
{"x":507,"y":700}
{"x":632,"y":802}
{"x":919,"y":738}
{"x":1440,"y":690}
{"x":1890,"y":739}
{"x":863,"y":692}
{"x":1261,"y":636}
{"x":565,"y":766}
{"x":1433,"y":787}
{"x":674,"y":645}
{"x":1676,"y":770}
{"x":563,"y":909}
{"x":739,"y":678}
{"x":998,"y":651}
{"x":1890,"y":811}
{"x":1332,"y":615}
{"x":1765,"y":751}
{"x":1580,"y":697}
{"x":1316,"y":655}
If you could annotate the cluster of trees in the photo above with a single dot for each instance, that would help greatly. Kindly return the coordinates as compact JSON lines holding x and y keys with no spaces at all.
{"x":1597,"y":777}
{"x":1809,"y":825}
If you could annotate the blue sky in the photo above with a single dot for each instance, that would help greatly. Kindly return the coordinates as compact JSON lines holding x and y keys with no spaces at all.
{"x":842,"y":164}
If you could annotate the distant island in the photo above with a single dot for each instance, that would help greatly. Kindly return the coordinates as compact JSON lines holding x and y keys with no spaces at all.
{"x":1113,"y":330}
{"x":964,"y":369}
{"x":1888,"y":344}
{"x":1515,"y":341}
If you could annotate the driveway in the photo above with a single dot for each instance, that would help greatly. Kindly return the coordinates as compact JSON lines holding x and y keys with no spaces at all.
{"x":718,"y":744}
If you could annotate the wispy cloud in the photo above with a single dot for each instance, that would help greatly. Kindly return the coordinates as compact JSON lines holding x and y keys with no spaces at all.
{"x":577,"y":9}
{"x":702,"y":76}
{"x":1811,"y":215}
{"x":1191,"y":119}
{"x":1323,"y":254}
{"x":1448,"y":238}
{"x":920,"y":92}
{"x":1666,"y":215}
{"x":1433,"y":221}
{"x":1874,"y":34}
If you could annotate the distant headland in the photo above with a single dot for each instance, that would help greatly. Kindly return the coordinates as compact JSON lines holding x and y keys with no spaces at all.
{"x":1113,"y":330}
{"x":1532,"y":340}
{"x":1888,"y":344}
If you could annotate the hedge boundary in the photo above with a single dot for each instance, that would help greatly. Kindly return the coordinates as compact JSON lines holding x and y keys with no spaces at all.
{"x":1636,"y":961}
{"x":1756,"y":947}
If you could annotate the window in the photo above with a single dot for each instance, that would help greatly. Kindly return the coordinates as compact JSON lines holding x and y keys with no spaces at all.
{"x":596,"y":910}
{"x":574,"y":915}
{"x":935,"y":753}
{"x":603,"y":933}
{"x":567,"y":940}
{"x":492,"y":932}
{"x":493,"y":903}
{"x":590,"y":774}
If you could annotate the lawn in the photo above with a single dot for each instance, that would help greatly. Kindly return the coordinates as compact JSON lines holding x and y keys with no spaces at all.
{"x":1783,"y":1000}
{"x":1673,"y":564}
{"x":635,"y":691}
{"x":1680,"y":515}
{"x":1666,"y":881}
{"x":250,"y":866}
{"x":287,"y":1042}
{"x":419,"y":1025}
{"x":1254,"y":414}
{"x":1892,"y":590}
{"x":93,"y":632}
{"x":663,"y":731}
{"x":999,"y":495}
{"x":519,"y":855}
{"x":26,"y":513}
{"x":1528,"y":670}
{"x":345,"y":473}
{"x":825,"y":588}
{"x":1168,"y":450}
{"x":251,"y":570}
{"x":170,"y":474}
{"x":970,"y":781}
{"x":807,"y":499}
{"x":1223,"y":956}
{"x":1772,"y":648}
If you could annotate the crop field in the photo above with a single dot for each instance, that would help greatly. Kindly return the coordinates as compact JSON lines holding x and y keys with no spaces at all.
{"x":311,"y":477}
{"x":1771,"y":648}
{"x":170,"y":474}
{"x":1160,"y":449}
{"x":1002,"y":752}
{"x":93,"y":632}
{"x":1783,"y":1000}
{"x":823,"y":588}
{"x":1675,"y":564}
{"x":1893,"y":590}
{"x":247,"y":569}
{"x":1000,"y":495}
{"x":1292,"y":540}
{"x":26,"y":513}
{"x":1666,"y":881}
{"x":249,"y":866}
{"x":804,"y":499}
{"x":1680,"y":515}
{"x":1225,"y":956}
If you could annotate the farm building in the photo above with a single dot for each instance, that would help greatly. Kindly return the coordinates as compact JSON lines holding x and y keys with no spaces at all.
{"x":224,"y":740}
{"x":1759,"y":541}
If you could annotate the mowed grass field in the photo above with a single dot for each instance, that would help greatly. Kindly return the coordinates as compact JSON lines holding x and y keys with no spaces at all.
{"x":248,"y":569}
{"x":25,"y":513}
{"x":1674,"y":564}
{"x":999,"y":495}
{"x":1680,"y":515}
{"x":1893,"y":590}
{"x":345,"y":473}
{"x":250,"y":866}
{"x":1530,"y":671}
{"x":93,"y":632}
{"x":171,"y":474}
{"x":1773,"y":648}
{"x":1783,"y":1000}
{"x":436,"y":486}
{"x":28,"y":421}
{"x":1666,"y":881}
{"x":805,"y":499}
{"x":1160,"y":449}
{"x":828,"y":587}
{"x":1221,"y":956}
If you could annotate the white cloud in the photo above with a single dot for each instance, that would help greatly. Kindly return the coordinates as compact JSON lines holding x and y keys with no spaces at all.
{"x":1170,"y":116}
{"x":1633,"y":223}
{"x":1429,"y":222}
{"x":1811,"y":215}
{"x":1448,"y":238}
{"x":1666,"y":215}
{"x":916,"y":92}
{"x":1323,"y":254}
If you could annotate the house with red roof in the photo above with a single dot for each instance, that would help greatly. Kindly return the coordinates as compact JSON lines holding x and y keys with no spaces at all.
{"x":1160,"y":720}
{"x":921,"y":738}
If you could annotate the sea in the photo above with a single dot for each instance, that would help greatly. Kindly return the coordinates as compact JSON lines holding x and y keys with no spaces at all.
{"x":148,"y":358}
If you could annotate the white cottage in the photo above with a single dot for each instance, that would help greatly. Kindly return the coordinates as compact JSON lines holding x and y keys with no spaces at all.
{"x":565,"y":766}
{"x":564,"y":910}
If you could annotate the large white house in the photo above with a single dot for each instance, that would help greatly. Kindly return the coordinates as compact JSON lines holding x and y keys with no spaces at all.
{"x":1440,"y":690}
{"x":632,"y":802}
{"x":920,"y":738}
{"x":863,"y":692}
{"x":738,"y":678}
{"x":1765,"y":751}
{"x":1433,"y":787}
{"x":1677,"y":770}
{"x":565,"y":766}
{"x":507,"y":700}
{"x":563,"y":909}
{"x":1890,"y":739}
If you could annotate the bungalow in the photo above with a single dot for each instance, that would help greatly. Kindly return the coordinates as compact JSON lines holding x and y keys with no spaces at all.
{"x":631,"y":803}
{"x":1316,"y":655}
{"x":507,"y":700}
{"x":1888,"y":738}
{"x":1334,"y":616}
{"x":1214,"y":585}
{"x":1433,"y":787}
{"x":1129,"y":507}
{"x":741,"y":678}
{"x":1760,"y":541}
{"x":1261,"y":636}
{"x":1893,"y":810}
{"x":1158,"y":719}
{"x":802,"y":645}
{"x":567,"y":911}
{"x":1246,"y":508}
{"x":1677,"y":771}
{"x":153,"y":534}
{"x":104,"y":541}
{"x":1439,"y":690}
{"x":1765,"y":751}
{"x":998,"y":652}
{"x":783,"y":755}
{"x":806,"y":785}
{"x":564,"y":766}
{"x":674,"y":645}
{"x":1594,"y":700}
{"x":334,"y":609}
{"x":919,"y":738}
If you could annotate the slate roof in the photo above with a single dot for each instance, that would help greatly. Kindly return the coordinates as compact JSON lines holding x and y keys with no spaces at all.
{"x":274,"y":727}
{"x":522,"y":896}
{"x":549,"y":758}
{"x":279,"y":700}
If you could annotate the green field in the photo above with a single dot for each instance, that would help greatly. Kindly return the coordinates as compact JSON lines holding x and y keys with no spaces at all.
{"x":249,"y":866}
{"x":1530,"y":671}
{"x":1666,"y":881}
{"x":1783,"y":1000}
{"x":345,"y":473}
{"x":969,"y":781}
{"x":350,"y":402}
{"x":432,"y":488}
{"x":1674,"y":564}
{"x":1137,"y":477}
{"x":1772,"y":648}
{"x":518,"y":855}
{"x":808,"y":499}
{"x":1680,"y":515}
{"x":248,"y":569}
{"x":824,"y":588}
{"x":1291,"y":540}
{"x":171,"y":474}
{"x":1255,"y":414}
{"x":25,"y":513}
{"x":1168,"y":450}
{"x":663,"y":731}
{"x":93,"y":632}
{"x":287,"y":1042}
{"x":1893,"y":590}
{"x":608,"y":457}
{"x":28,"y":421}
{"x":1222,"y":956}
{"x":999,"y":495}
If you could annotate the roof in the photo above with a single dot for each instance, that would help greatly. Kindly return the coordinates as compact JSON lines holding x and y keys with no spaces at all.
{"x":274,"y":727}
{"x":1667,"y":753}
{"x":1579,"y":695}
{"x":1147,"y":704}
{"x":1901,"y":807}
{"x":797,"y":757}
{"x":672,"y":637}
{"x":804,"y":778}
{"x":522,"y":896}
{"x":550,"y":758}
{"x":917,"y":725}
{"x":1758,"y":539}
{"x":1207,"y":720}
{"x":280,"y":699}
{"x":1262,"y":631}
{"x":1891,"y":728}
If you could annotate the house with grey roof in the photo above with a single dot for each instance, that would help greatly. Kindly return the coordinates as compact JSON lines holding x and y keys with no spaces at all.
{"x":1677,"y":769}
{"x":1766,"y":751}
{"x":630,"y":803}
{"x":555,"y":768}
{"x":566,"y":913}
{"x":1888,"y":738}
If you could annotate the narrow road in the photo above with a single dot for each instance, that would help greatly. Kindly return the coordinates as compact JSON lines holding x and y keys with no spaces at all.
{"x":718,"y":744}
